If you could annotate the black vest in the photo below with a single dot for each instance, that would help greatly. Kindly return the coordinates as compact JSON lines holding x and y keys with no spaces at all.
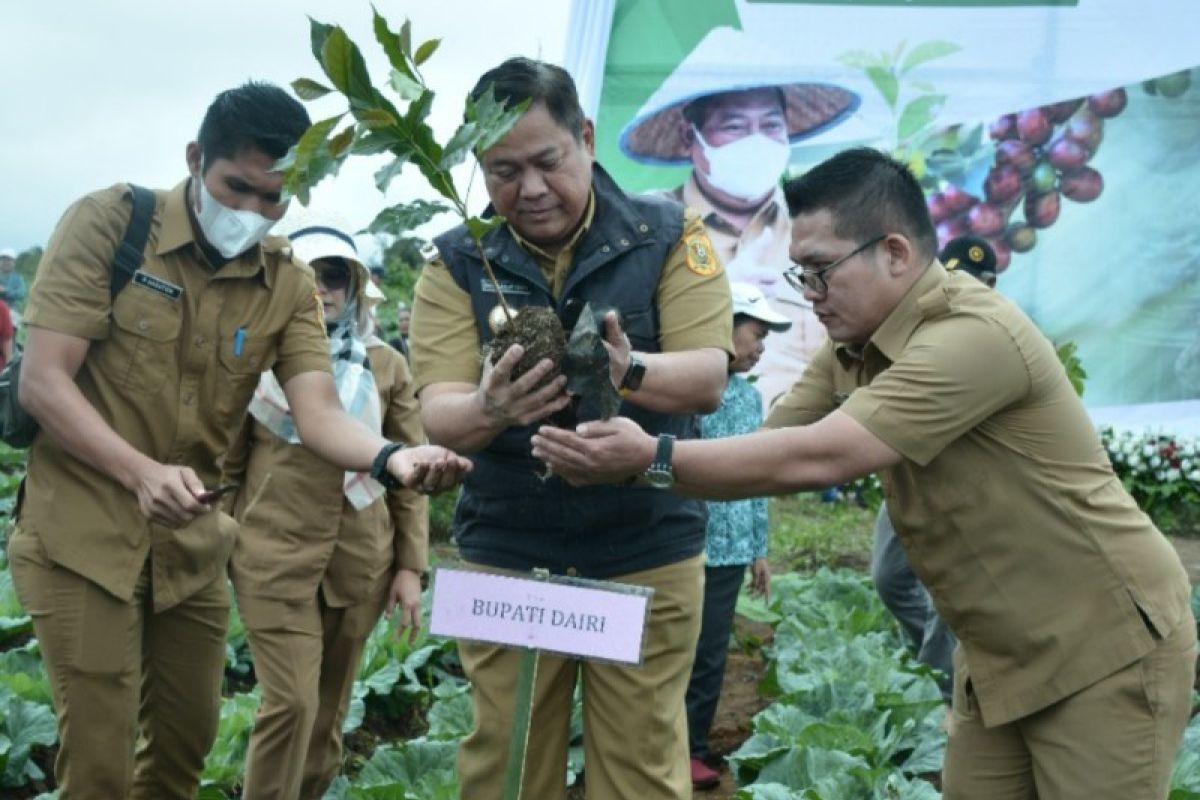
{"x":509,"y":516}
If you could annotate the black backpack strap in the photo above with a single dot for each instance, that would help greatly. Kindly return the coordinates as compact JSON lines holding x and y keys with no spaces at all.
{"x":131,"y":252}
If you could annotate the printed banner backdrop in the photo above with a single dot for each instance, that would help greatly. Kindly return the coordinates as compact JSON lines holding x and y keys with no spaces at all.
{"x":1067,"y":132}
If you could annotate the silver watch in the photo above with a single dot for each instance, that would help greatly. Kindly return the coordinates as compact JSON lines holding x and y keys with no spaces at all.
{"x":659,"y":474}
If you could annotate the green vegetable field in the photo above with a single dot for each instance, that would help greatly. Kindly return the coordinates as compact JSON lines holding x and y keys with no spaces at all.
{"x":850,"y":716}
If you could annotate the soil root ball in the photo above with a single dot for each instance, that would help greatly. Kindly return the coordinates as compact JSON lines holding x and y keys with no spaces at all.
{"x":539,"y":331}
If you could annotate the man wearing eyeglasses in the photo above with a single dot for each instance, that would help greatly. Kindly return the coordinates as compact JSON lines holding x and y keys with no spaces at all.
{"x":1075,"y":670}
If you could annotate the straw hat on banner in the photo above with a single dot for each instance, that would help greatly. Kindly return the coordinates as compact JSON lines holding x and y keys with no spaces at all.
{"x":728,"y":60}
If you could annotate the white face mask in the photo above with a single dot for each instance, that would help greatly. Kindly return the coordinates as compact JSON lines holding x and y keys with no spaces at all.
{"x":746,"y":168}
{"x":231,"y":231}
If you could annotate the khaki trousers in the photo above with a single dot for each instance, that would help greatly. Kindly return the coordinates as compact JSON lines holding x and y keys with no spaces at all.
{"x":116,"y":670}
{"x":634,"y":722}
{"x":305,"y":659}
{"x":1115,"y":740}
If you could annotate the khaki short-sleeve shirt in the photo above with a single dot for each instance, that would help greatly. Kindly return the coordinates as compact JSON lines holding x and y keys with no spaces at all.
{"x":1005,"y":502}
{"x":695,"y":312}
{"x":298,"y":531}
{"x":171,"y":366}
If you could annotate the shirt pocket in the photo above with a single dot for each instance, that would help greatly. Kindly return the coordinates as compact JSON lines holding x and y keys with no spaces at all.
{"x":140,"y":352}
{"x":238,"y":371}
{"x":641,"y":329}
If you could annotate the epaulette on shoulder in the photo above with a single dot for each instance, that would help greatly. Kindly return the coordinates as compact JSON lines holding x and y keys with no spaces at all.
{"x":934,"y":303}
{"x":429,"y":252}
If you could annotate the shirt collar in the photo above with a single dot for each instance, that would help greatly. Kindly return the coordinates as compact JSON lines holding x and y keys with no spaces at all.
{"x":768,"y":215}
{"x":897,"y":328}
{"x":589,"y":214}
{"x":176,"y":232}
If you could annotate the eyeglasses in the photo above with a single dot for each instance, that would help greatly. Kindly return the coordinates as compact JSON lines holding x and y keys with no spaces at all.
{"x":334,"y":278}
{"x":814,"y":279}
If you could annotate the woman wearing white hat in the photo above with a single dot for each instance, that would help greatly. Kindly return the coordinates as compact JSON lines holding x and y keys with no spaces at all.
{"x":737,"y":530}
{"x":321,"y":552}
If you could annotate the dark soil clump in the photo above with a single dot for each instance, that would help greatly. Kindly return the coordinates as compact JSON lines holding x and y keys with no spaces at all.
{"x":539,"y":331}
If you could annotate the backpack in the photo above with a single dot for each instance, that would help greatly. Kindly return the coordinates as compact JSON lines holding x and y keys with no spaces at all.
{"x":17,"y":426}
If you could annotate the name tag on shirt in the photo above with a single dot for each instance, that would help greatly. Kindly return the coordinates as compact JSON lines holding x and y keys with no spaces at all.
{"x":508,"y":287}
{"x":158,"y":285}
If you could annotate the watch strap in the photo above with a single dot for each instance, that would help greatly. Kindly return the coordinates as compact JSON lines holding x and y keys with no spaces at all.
{"x":379,"y":470}
{"x":662,"y":456}
{"x":631,"y":381}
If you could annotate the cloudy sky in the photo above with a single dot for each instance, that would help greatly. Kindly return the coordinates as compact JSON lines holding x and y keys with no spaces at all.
{"x":93,"y":93}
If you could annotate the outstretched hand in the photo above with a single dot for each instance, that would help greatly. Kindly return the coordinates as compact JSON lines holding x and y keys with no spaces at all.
{"x":428,"y":469}
{"x":611,"y":451}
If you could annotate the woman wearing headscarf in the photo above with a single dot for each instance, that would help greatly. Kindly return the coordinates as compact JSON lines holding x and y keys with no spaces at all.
{"x":321,"y":553}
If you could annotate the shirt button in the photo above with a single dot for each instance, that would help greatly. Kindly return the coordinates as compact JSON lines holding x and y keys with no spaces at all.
{"x":572,"y":572}
{"x":199,"y":340}
{"x":605,"y":249}
{"x":643,"y":227}
{"x":187,"y":399}
{"x":143,"y":324}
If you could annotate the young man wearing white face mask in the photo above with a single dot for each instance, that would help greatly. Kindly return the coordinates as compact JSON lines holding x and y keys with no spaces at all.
{"x":119,"y":551}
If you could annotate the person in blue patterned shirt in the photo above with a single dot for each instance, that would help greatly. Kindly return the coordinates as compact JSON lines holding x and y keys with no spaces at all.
{"x":737,"y":530}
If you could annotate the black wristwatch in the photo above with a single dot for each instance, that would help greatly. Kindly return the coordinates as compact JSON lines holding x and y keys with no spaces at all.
{"x":634,"y":373}
{"x":659,"y":474}
{"x":379,"y":470}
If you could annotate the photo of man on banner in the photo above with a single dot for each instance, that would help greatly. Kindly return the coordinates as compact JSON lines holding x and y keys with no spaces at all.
{"x":736,"y":130}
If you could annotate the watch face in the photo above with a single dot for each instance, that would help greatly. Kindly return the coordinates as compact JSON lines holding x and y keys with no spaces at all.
{"x":660,"y":477}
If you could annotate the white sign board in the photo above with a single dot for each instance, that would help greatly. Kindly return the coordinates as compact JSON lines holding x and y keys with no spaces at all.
{"x":592,"y":619}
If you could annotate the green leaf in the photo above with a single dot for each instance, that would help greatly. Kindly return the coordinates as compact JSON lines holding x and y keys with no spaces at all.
{"x":374,"y":142}
{"x":461,"y":143}
{"x":340,"y":143}
{"x":971,"y":142}
{"x":859,"y":59}
{"x":885,"y":81}
{"x":383,"y":178}
{"x":390,"y":43}
{"x":452,"y":718}
{"x":927,"y":51}
{"x":26,"y":724}
{"x":225,"y":763}
{"x":404,"y":85}
{"x":479,"y":228}
{"x":406,"y":38}
{"x":494,"y":118}
{"x":425,"y":51}
{"x":308,"y":89}
{"x":416,"y":764}
{"x":376,"y":118}
{"x":404,"y":217}
{"x":918,"y":114}
{"x":310,"y":160}
{"x":318,"y":33}
{"x":345,"y":67}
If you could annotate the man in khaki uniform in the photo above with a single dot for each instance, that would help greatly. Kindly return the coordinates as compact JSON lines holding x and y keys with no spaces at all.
{"x":735,"y":129}
{"x":573,"y":237}
{"x":320,"y":552}
{"x":118,"y":554}
{"x":1074,"y":675}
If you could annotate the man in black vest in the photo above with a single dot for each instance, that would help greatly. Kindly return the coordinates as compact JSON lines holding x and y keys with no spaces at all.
{"x":572,"y":237}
